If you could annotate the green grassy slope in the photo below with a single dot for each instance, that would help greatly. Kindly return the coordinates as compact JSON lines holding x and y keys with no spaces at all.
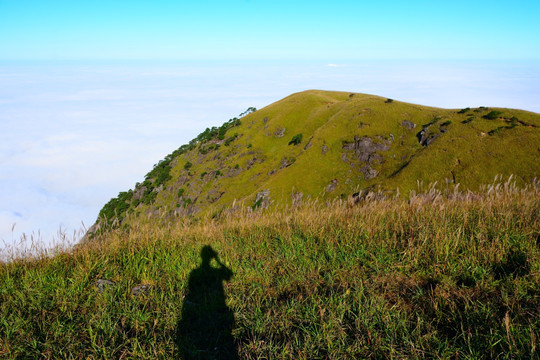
{"x":397,"y":145}
{"x":431,"y":278}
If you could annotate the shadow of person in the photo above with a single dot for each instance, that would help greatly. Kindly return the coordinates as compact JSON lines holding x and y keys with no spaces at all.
{"x":204,"y":330}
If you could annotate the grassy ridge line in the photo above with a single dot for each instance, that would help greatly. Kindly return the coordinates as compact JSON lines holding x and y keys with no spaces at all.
{"x":254,"y":154}
{"x":429,"y":277}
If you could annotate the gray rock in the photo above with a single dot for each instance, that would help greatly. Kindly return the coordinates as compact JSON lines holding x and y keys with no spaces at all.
{"x":141,"y":289}
{"x":280,"y":132}
{"x":426,"y":137}
{"x":324,"y":149}
{"x":369,"y":172}
{"x":332,"y":186}
{"x":364,"y":149}
{"x":408,"y":124}
{"x":286,"y":162}
{"x":104,"y":284}
{"x":308,"y":145}
{"x":252,"y":162}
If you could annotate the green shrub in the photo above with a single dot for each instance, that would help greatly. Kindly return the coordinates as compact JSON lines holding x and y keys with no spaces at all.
{"x":446,"y":123}
{"x":492,"y":115}
{"x":513,"y":121}
{"x":203,"y":174}
{"x":187,"y":165}
{"x":388,"y":101}
{"x":468,"y":120}
{"x":116,"y":208}
{"x":231,"y":139}
{"x":296,"y":139}
{"x":463,"y":111}
{"x":181,"y":192}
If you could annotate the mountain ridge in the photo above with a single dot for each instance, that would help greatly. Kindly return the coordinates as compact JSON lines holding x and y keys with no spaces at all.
{"x":327,"y":144}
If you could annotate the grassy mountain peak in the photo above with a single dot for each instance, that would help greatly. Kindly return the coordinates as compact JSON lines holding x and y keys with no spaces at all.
{"x":328,"y":144}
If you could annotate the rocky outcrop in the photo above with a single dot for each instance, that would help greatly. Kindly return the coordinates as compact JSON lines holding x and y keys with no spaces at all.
{"x":332,"y":186}
{"x":280,"y":132}
{"x":286,"y":162}
{"x":104,"y":284}
{"x":308,"y":145}
{"x":364,"y":152}
{"x":365,"y":149}
{"x":214,"y":195}
{"x":427,"y":135}
{"x":324,"y":149}
{"x":408,"y":124}
{"x":369,"y":172}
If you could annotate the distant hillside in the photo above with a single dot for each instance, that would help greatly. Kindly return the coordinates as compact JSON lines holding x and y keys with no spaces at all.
{"x":322,"y":144}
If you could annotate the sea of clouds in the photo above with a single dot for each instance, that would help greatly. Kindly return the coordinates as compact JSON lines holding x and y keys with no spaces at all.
{"x":73,"y":135}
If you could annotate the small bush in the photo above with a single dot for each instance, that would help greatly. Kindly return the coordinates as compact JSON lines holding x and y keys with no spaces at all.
{"x":187,"y":202}
{"x":296,"y":139}
{"x":513,"y":121}
{"x":388,"y":101}
{"x":468,"y":120}
{"x":492,"y":115}
{"x":231,"y":139}
{"x":463,"y":111}
{"x":187,"y":165}
{"x":203,"y":174}
{"x":181,"y":192}
{"x":446,"y":123}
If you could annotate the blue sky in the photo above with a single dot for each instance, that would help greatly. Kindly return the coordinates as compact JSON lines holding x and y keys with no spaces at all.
{"x":251,"y":29}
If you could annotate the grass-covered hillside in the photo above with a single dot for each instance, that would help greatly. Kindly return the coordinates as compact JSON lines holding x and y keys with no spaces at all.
{"x":446,"y":275}
{"x":321,"y":144}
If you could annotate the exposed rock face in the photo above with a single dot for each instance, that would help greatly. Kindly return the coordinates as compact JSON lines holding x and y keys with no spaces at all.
{"x":138,"y":193}
{"x":252,"y":162}
{"x":308,"y":145}
{"x":91,"y":231}
{"x":280,"y":132}
{"x":408,"y":124}
{"x":214,"y":195}
{"x":365,"y":153}
{"x":427,"y":135}
{"x":365,"y":149}
{"x":332,"y":186}
{"x":286,"y":162}
{"x":324,"y":149}
{"x":233,"y":172}
{"x":369,"y":172}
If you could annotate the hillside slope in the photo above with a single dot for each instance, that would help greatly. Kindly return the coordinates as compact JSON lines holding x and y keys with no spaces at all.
{"x":322,"y":144}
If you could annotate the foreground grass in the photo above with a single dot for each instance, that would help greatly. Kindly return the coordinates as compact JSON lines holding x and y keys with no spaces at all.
{"x":432,"y":277}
